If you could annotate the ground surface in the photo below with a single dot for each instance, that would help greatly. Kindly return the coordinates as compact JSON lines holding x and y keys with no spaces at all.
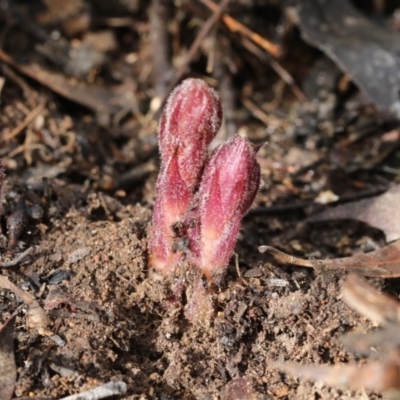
{"x":90,"y":170}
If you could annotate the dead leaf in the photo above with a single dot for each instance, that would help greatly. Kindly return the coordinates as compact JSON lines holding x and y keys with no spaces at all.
{"x":369,"y":302}
{"x":381,"y":263}
{"x":378,"y":307}
{"x":100,"y":99}
{"x":366,"y":344}
{"x":378,"y":376}
{"x":366,"y":51}
{"x":7,"y":361}
{"x":382,"y":212}
{"x":36,"y":318}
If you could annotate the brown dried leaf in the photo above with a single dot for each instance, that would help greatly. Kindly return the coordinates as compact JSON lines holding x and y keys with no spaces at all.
{"x":381,"y":263}
{"x":386,"y":339}
{"x":369,"y":302}
{"x":36,"y":318}
{"x":7,"y":361}
{"x":365,"y":51}
{"x":382,"y":212}
{"x":379,"y":376}
{"x":97,"y":98}
{"x":378,"y":307}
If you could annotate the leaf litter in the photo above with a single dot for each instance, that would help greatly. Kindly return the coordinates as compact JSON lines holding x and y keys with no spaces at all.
{"x":111,"y":321}
{"x":381,"y":263}
{"x":367,"y":51}
{"x":381,"y":212}
{"x":381,"y":375}
{"x":8,"y":374}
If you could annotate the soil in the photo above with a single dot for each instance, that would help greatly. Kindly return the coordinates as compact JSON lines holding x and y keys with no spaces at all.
{"x":90,"y":175}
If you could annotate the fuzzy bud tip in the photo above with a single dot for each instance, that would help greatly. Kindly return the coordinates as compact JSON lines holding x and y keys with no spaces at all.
{"x":191,"y":119}
{"x":230,"y":183}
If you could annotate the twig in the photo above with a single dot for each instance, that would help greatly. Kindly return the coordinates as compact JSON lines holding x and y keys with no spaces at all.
{"x":18,"y":259}
{"x":18,"y":80}
{"x":286,"y":258}
{"x":29,"y":118}
{"x":65,"y":315}
{"x":160,"y":47}
{"x":256,"y":111}
{"x":222,"y":74}
{"x":100,"y":392}
{"x":369,"y":302}
{"x":288,"y":79}
{"x":236,"y":26}
{"x":24,"y":296}
{"x":36,"y":317}
{"x":217,"y":12}
{"x":284,"y":75}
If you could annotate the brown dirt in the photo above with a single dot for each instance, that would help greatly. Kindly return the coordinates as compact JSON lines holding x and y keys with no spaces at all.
{"x":110,"y":317}
{"x":111,"y":321}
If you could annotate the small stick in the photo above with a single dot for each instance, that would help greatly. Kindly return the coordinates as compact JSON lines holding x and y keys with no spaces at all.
{"x":278,"y":68}
{"x":286,"y":77}
{"x":29,"y":118}
{"x":287,"y":258}
{"x":221,"y":73}
{"x":18,"y":259}
{"x":100,"y":392}
{"x":36,"y":317}
{"x":236,"y":26}
{"x":237,"y":265}
{"x":369,"y":302}
{"x":160,"y":46}
{"x":29,"y":95}
{"x":24,"y":296}
{"x":217,"y":12}
{"x":256,"y":111}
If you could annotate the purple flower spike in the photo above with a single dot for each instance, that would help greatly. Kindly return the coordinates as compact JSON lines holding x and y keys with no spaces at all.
{"x":191,"y":119}
{"x":229,"y":185}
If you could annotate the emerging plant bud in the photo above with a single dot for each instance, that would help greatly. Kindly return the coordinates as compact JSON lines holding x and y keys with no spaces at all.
{"x":191,"y":119}
{"x":229,"y":185}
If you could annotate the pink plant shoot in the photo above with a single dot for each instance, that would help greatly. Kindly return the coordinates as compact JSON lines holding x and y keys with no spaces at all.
{"x":229,"y":185}
{"x":191,"y":119}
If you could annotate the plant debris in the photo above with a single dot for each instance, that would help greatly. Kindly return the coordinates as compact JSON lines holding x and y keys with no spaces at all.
{"x":82,"y":85}
{"x":381,"y":263}
{"x":380,"y":212}
{"x":7,"y":360}
{"x":367,"y":52}
{"x":382,"y":375}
